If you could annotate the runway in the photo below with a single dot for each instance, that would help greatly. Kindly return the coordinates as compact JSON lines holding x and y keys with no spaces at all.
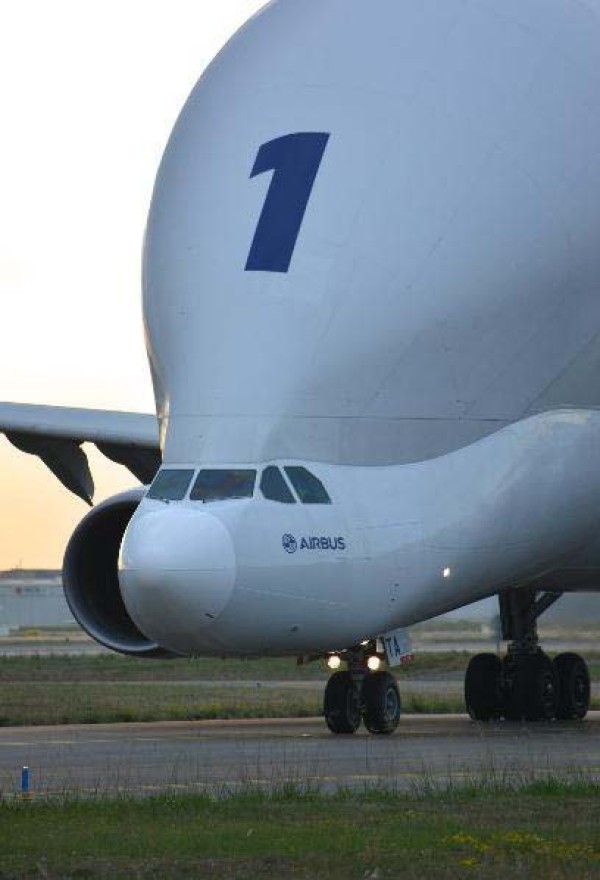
{"x":221,"y":756}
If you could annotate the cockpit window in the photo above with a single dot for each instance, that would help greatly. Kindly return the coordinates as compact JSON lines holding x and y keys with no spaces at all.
{"x":219,"y":485}
{"x":274,"y":487}
{"x":170,"y":484}
{"x":309,"y":488}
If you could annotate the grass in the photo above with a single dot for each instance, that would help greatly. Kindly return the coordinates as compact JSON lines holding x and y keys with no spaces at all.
{"x":109,"y":688}
{"x":112,"y":667}
{"x":305,"y":834}
{"x":84,"y":703}
{"x":98,"y":703}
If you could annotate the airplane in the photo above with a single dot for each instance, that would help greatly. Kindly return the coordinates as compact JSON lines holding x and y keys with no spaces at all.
{"x":371,"y":290}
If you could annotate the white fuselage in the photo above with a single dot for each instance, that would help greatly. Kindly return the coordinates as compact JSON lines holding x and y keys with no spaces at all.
{"x":396,"y":544}
{"x":373,"y":249}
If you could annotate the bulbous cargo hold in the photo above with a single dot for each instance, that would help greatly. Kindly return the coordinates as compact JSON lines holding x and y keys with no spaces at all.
{"x":388,"y":213}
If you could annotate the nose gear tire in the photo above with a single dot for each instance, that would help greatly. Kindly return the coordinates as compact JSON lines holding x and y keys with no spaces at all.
{"x":381,"y":703}
{"x":341,"y":705}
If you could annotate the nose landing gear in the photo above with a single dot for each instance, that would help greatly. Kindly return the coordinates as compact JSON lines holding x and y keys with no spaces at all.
{"x":359,"y":695}
{"x":341,"y":704}
{"x":381,"y":703}
{"x":526,"y":685}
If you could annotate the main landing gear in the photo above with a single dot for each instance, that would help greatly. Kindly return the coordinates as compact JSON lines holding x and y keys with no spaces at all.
{"x":359,"y":694}
{"x":526,"y":684}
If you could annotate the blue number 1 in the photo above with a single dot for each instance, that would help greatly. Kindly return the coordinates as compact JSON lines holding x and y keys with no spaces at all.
{"x":295,"y":160}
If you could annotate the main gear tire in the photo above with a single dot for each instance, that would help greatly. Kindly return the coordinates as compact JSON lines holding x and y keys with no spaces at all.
{"x":531,"y":688}
{"x":483,"y":689}
{"x":573,"y":686}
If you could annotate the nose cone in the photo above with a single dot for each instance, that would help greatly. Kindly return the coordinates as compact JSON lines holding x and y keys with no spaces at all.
{"x":176,"y":572}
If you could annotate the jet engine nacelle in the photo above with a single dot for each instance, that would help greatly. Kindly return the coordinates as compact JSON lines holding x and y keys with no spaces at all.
{"x":91,"y":582}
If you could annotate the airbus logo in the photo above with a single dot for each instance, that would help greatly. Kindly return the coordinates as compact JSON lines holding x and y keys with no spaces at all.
{"x":290,"y":544}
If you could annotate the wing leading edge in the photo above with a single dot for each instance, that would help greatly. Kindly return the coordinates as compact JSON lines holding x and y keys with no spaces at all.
{"x":55,"y":434}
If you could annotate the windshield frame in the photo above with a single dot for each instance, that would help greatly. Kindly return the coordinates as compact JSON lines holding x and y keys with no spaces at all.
{"x":247,"y":474}
{"x":187,"y":474}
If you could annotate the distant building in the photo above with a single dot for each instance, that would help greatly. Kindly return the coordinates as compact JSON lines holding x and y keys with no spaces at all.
{"x":32,"y":598}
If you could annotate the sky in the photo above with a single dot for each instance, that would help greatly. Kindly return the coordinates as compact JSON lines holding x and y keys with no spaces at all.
{"x":89,"y":94}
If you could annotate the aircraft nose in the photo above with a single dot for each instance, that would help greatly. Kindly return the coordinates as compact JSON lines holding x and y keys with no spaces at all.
{"x":176,"y":572}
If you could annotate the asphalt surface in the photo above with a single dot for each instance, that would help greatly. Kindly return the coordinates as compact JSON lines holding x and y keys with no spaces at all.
{"x":221,"y":756}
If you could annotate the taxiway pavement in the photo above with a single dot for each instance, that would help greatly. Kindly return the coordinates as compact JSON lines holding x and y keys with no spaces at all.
{"x":228,"y":755}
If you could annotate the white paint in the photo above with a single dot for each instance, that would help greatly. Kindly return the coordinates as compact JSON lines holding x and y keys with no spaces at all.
{"x":431,"y":354}
{"x":530,"y":496}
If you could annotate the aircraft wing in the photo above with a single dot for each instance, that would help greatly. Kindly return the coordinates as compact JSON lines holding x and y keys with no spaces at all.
{"x":55,"y":434}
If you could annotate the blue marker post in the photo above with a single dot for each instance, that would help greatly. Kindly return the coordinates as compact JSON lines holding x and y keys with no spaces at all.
{"x":25,"y":782}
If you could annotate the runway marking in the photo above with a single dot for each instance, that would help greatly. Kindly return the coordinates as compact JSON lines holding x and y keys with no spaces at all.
{"x":57,"y":742}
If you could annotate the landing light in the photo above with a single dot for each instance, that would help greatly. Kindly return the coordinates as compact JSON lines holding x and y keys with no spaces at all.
{"x":334,"y":662}
{"x":447,"y":572}
{"x":374,"y":663}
